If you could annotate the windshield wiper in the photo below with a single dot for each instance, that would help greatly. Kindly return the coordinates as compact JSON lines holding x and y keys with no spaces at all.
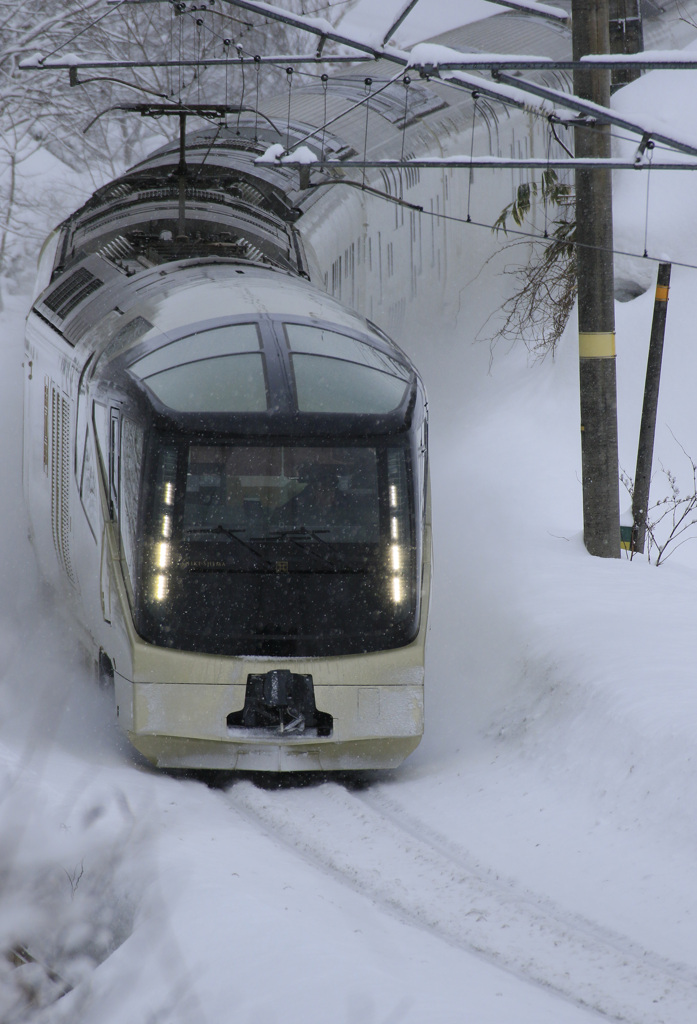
{"x":303,"y":533}
{"x":231,"y":532}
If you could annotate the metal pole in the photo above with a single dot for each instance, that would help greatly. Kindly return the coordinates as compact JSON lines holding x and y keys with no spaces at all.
{"x":182,"y":176}
{"x":626,"y":36}
{"x":647,"y":431}
{"x":596,"y":310}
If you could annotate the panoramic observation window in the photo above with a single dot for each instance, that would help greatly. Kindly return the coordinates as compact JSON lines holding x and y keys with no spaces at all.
{"x":280,"y":549}
{"x":231,"y":339}
{"x":220,"y":370}
{"x":336,"y":373}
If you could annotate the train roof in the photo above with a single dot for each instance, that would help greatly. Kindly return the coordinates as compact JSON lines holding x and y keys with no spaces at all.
{"x":198,"y":290}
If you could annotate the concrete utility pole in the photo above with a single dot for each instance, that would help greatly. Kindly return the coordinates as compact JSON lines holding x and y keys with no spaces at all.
{"x":590,"y":21}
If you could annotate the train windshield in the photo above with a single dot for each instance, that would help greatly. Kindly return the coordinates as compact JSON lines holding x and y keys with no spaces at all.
{"x":280,"y":550}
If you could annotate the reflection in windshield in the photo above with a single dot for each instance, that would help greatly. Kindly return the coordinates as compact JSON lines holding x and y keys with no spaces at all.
{"x":260,"y":494}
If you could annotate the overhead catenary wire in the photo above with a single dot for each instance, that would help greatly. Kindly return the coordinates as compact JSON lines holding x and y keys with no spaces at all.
{"x":203,"y":28}
{"x":368,"y":87}
{"x":257,"y":65}
{"x":646,"y":215}
{"x":475,"y":98}
{"x":289,"y":75}
{"x":86,"y":28}
{"x":244,"y":86}
{"x":537,"y":237}
{"x":406,"y":81}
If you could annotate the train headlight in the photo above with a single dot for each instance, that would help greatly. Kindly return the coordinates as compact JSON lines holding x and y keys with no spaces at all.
{"x":160,"y":587}
{"x":163,"y":555}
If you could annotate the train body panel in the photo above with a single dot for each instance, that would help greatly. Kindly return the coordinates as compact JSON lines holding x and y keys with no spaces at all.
{"x":225,"y":464}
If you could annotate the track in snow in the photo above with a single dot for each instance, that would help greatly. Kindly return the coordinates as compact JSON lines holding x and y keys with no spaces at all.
{"x":369,"y":843}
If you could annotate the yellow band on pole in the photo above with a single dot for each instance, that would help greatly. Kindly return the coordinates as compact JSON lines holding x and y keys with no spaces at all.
{"x":596,"y":344}
{"x":662,"y":293}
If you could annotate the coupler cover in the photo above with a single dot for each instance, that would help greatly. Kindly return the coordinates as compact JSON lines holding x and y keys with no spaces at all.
{"x":281,"y":702}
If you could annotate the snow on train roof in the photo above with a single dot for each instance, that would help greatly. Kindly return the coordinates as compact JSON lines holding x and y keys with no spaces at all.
{"x":212,"y":290}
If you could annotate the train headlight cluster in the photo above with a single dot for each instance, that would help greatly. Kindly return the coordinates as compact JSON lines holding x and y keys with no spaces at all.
{"x":397,"y":562}
{"x":162,"y":547}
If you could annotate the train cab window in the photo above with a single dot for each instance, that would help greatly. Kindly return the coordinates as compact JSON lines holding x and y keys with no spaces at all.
{"x":336,"y":373}
{"x":289,"y":549}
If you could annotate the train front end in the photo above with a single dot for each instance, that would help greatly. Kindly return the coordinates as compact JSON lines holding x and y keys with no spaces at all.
{"x":269,"y":531}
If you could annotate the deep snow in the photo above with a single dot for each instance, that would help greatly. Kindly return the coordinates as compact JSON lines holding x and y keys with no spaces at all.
{"x":558,"y":768}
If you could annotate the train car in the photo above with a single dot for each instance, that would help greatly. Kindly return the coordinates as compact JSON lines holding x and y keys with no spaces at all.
{"x":225,"y":461}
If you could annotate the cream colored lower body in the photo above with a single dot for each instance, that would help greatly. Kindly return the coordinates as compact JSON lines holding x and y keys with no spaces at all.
{"x":375,"y":700}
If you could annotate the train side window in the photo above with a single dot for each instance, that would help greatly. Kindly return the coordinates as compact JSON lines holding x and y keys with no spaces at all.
{"x":88,"y":482}
{"x":131,"y":463}
{"x":107,"y":431}
{"x":114,"y":461}
{"x":100,"y":420}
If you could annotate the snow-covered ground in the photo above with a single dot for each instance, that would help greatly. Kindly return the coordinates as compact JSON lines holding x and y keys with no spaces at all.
{"x":532,"y":862}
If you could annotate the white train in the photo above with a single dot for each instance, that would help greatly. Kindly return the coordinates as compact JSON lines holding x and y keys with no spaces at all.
{"x":225,"y":462}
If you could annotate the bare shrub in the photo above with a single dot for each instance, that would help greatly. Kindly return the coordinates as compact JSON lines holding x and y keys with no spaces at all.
{"x":539,"y":310}
{"x":671,"y":519}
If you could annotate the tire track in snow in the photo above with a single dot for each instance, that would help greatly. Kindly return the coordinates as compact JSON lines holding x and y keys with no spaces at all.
{"x":366,"y":841}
